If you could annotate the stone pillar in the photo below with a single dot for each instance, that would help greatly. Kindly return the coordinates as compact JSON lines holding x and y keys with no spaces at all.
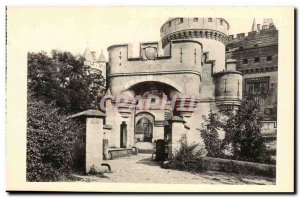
{"x":94,"y":138}
{"x":130,"y":130}
{"x":94,"y":144}
{"x":177,"y":133}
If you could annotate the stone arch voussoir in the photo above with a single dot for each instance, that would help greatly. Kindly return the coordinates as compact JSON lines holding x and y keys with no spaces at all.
{"x":164,"y":80}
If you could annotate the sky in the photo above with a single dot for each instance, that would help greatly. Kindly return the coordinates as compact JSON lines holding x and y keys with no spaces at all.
{"x":75,"y":29}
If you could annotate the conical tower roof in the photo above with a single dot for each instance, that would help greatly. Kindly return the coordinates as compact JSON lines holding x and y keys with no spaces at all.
{"x":101,"y":57}
{"x":87,"y":54}
{"x":254,"y":26}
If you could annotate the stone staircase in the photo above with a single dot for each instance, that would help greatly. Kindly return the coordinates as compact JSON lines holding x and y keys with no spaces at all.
{"x":146,"y":147}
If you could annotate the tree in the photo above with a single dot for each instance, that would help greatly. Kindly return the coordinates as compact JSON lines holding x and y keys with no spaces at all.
{"x":63,"y":78}
{"x":243,"y":133}
{"x":51,"y":142}
{"x":210,"y":134}
{"x":58,"y":85}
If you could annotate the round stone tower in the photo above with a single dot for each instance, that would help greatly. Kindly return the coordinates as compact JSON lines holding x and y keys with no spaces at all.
{"x":211,"y":32}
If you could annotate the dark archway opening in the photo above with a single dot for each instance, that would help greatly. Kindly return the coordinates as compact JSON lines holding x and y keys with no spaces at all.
{"x":144,"y":130}
{"x":148,"y":88}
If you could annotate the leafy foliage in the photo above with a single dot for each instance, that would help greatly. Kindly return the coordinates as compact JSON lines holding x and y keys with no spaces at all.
{"x":210,"y":134}
{"x":243,"y":139}
{"x":243,"y":133}
{"x":50,"y":142}
{"x":58,"y":85}
{"x":63,"y":78}
{"x":187,"y":157}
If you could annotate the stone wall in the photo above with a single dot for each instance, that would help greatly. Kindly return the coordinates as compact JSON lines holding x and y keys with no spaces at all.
{"x":239,"y":167}
{"x":179,"y":70}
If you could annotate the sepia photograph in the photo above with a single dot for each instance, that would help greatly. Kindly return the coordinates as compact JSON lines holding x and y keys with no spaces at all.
{"x":151,"y":96}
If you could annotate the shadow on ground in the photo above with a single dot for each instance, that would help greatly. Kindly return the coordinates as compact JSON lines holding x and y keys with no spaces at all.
{"x":148,"y":161}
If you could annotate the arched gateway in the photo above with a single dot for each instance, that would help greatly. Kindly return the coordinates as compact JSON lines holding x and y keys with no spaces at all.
{"x":181,"y":69}
{"x":143,"y":130}
{"x":152,"y":104}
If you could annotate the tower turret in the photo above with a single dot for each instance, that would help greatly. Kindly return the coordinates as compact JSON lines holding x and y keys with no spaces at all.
{"x":101,"y":58}
{"x":88,"y":55}
{"x":211,"y":32}
{"x":102,"y":64}
{"x":254,"y":27}
{"x":96,"y":65}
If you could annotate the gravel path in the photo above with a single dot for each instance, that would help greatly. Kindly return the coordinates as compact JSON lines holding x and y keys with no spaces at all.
{"x":141,"y":169}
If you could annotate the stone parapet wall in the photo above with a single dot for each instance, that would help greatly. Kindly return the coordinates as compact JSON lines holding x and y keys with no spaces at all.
{"x":211,"y":27}
{"x":181,"y":68}
{"x":239,"y":167}
{"x":270,"y":34}
{"x":183,"y":54}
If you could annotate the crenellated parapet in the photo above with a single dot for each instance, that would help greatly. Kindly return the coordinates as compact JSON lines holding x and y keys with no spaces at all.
{"x":212,"y":33}
{"x":186,"y":28}
{"x":194,"y":34}
{"x":183,"y":56}
{"x":259,"y":37}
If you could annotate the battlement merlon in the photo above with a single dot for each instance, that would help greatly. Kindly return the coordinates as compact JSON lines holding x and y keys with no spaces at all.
{"x":194,"y":28}
{"x":263,"y":33}
{"x":177,"y":24}
{"x":185,"y":56}
{"x":152,"y":51}
{"x":127,"y":47}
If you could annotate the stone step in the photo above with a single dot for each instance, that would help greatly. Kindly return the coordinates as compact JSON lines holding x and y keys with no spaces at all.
{"x":119,"y":152}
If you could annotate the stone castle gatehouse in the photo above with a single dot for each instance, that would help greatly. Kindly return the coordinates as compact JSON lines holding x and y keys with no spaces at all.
{"x":188,"y":65}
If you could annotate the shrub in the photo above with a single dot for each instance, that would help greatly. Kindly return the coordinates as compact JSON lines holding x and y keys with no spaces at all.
{"x":210,"y":135}
{"x":187,"y":158}
{"x":243,"y":133}
{"x":50,"y":142}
